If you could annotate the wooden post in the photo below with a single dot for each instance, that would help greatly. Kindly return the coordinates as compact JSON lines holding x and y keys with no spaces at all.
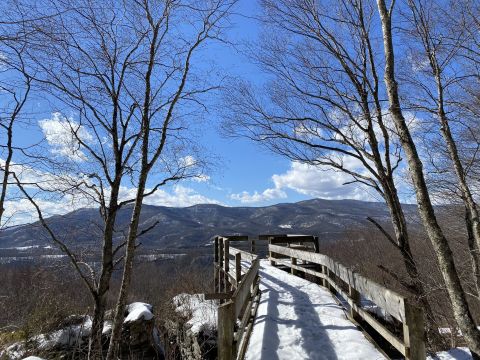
{"x":414,"y":332}
{"x":270,"y":254}
{"x":252,"y":246}
{"x":215,"y":273}
{"x":316,"y":244}
{"x":238,"y":267}
{"x":226,"y":263}
{"x":324,"y":272}
{"x":220,"y":265}
{"x":225,"y":326}
{"x":294,"y":262}
{"x":354,"y":295}
{"x":331,"y":276}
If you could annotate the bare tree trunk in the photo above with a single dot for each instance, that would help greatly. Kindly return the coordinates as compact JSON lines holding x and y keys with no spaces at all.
{"x":115,"y":338}
{"x":19,"y":102}
{"x":440,"y":244}
{"x":403,"y":245}
{"x":95,"y":341}
{"x":95,"y":349}
{"x":6,"y":170}
{"x":472,"y":219}
{"x":473,"y":249}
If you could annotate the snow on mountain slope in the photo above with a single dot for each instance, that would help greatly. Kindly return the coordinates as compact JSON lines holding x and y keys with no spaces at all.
{"x":297,"y":319}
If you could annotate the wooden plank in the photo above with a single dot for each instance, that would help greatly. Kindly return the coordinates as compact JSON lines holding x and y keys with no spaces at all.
{"x":358,"y":312}
{"x":215,"y":262}
{"x":390,"y":301}
{"x":245,"y":254}
{"x":316,"y":244}
{"x":232,"y":278}
{"x":293,"y":269}
{"x":382,"y":330}
{"x":220,"y":265}
{"x":225,"y":328}
{"x":218,"y":296}
{"x":303,"y":269}
{"x":414,"y":332}
{"x":243,"y":291}
{"x":246,"y":337}
{"x":226,"y":263}
{"x":367,"y":317}
{"x":220,"y":252}
{"x":291,"y":239}
{"x":236,"y":237}
{"x":215,"y":241}
{"x":238,"y":267}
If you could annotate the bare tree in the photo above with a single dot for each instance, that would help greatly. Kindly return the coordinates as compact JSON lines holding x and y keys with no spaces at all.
{"x":125,"y":72}
{"x":209,"y":28}
{"x":438,"y":82}
{"x":324,"y":107}
{"x":14,"y":91}
{"x":440,"y":244}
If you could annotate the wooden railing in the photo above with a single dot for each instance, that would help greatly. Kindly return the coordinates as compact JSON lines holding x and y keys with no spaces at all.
{"x":353,"y":287}
{"x":237,"y":288}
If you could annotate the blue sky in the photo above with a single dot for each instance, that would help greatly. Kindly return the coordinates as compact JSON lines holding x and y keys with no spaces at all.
{"x":245,"y":174}
{"x":247,"y":168}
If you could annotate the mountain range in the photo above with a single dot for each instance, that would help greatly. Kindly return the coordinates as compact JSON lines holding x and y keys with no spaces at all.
{"x":195,"y":225}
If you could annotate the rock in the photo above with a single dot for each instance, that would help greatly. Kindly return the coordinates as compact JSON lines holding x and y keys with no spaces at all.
{"x":194,"y":334}
{"x":140,"y":338}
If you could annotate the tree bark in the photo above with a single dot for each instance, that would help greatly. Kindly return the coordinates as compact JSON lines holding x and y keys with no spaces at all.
{"x":403,"y":245}
{"x":472,"y":218}
{"x":440,"y":244}
{"x":95,"y":349}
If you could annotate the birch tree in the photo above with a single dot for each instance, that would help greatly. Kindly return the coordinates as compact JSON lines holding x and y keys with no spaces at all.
{"x":127,"y":91}
{"x":440,"y":244}
{"x":324,"y":106}
{"x":439,"y":79}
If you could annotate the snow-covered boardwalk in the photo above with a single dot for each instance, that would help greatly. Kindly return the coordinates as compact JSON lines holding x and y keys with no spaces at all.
{"x":298,"y":319}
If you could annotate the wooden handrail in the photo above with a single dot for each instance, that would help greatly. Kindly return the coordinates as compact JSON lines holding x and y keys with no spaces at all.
{"x":412,"y":345}
{"x":241,"y":302}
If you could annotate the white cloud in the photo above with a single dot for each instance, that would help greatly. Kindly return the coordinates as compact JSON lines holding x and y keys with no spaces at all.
{"x":21,"y":211}
{"x":188,"y":161}
{"x":201,"y":178}
{"x":179,"y":196}
{"x":62,"y":135}
{"x":312,"y":181}
{"x":267,"y":195}
{"x":66,"y":193}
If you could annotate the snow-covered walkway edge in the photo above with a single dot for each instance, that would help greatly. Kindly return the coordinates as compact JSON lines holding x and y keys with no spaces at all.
{"x":453,"y":354}
{"x":298,"y":319}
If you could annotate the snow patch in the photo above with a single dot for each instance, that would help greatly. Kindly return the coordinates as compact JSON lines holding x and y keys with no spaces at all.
{"x":202,"y":313}
{"x":297,"y":319}
{"x":453,"y":354}
{"x":285,"y":226}
{"x":137,"y":311}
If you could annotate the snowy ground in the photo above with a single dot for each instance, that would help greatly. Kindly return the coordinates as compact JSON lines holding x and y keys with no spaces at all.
{"x":297,"y":319}
{"x":453,"y":354}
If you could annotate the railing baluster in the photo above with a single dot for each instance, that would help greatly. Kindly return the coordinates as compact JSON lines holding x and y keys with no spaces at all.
{"x":238,"y":267}
{"x":335,"y":276}
{"x":220,"y":266}
{"x":215,"y":272}
{"x":414,"y":332}
{"x":226,"y":263}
